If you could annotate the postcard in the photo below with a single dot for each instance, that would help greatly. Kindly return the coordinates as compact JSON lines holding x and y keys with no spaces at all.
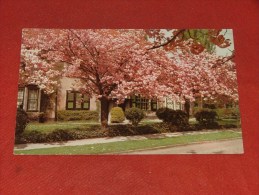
{"x":127,"y":91}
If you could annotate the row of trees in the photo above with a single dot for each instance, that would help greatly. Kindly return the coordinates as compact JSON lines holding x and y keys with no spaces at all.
{"x":114,"y":64}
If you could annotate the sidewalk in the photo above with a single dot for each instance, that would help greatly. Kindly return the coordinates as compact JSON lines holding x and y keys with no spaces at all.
{"x":109,"y":140}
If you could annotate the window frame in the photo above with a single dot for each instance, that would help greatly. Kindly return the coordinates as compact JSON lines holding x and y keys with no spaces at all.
{"x":28,"y":99}
{"x":22,"y":100}
{"x":143,"y":103}
{"x":74,"y":101}
{"x":152,"y":103}
{"x":170,"y":103}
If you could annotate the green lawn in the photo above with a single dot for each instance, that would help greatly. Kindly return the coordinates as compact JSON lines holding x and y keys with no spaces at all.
{"x":117,"y":147}
{"x":229,"y":121}
{"x":83,"y":125}
{"x":66,"y":125}
{"x":222,"y":122}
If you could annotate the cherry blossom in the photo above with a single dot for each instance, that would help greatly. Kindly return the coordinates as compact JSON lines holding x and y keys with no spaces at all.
{"x":113,"y":64}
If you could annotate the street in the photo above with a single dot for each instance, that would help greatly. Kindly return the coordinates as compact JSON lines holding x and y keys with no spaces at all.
{"x":215,"y":147}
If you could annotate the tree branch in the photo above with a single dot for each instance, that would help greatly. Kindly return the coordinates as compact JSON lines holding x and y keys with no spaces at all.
{"x":169,"y":41}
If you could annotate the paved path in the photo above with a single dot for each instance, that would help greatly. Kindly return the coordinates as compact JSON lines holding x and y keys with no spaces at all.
{"x":107,"y":140}
{"x":216,"y":147}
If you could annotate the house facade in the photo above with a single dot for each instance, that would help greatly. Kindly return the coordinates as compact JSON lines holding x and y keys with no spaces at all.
{"x":33,"y":100}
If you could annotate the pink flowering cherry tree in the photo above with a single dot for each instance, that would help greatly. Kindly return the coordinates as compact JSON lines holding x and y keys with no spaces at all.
{"x":115,"y":64}
{"x":111,"y":64}
{"x":200,"y":73}
{"x":36,"y":71}
{"x":205,"y":75}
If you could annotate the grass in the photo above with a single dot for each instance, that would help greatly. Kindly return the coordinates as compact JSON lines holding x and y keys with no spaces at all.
{"x":229,"y":121}
{"x":148,"y":122}
{"x":222,"y":122}
{"x":124,"y":146}
{"x":66,"y":125}
{"x":48,"y":127}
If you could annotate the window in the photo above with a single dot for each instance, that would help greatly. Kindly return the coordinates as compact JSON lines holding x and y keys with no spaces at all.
{"x":77,"y":101}
{"x":20,"y":97}
{"x":154,"y":104}
{"x":33,"y":96}
{"x":173,"y":105}
{"x":139,"y":102}
{"x":178,"y":106}
{"x":170,"y":103}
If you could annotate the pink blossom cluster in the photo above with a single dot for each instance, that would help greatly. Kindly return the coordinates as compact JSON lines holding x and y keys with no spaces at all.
{"x":116,"y":64}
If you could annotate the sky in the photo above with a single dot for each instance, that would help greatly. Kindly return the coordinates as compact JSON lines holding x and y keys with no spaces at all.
{"x":228,"y":35}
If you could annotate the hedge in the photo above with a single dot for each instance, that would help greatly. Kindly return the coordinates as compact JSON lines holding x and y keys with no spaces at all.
{"x":95,"y":132}
{"x":72,"y":115}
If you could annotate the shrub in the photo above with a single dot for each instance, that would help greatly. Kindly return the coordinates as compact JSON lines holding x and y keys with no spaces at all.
{"x":37,"y":116}
{"x":174,"y":117}
{"x":134,"y":115}
{"x":180,"y":119}
{"x":70,"y":115}
{"x":207,"y":119}
{"x":209,"y":106}
{"x":60,"y":135}
{"x":33,"y":116}
{"x":128,"y":130}
{"x":164,"y":114}
{"x":34,"y":137}
{"x":117,"y":115}
{"x":120,"y":130}
{"x":21,"y":121}
{"x":42,"y":117}
{"x":229,"y":126}
{"x":228,"y":113}
{"x":205,"y":116}
{"x":164,"y":127}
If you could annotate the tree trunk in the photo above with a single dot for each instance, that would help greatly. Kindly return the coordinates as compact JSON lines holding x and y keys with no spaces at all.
{"x":201,"y":103}
{"x":191,"y":108}
{"x":104,"y":112}
{"x":187,"y":107}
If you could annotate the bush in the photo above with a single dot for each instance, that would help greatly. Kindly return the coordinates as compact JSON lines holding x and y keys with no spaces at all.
{"x":34,"y":137}
{"x":37,"y":116}
{"x":60,"y":135}
{"x":164,"y":114}
{"x":209,"y":106}
{"x":174,"y":117}
{"x":117,"y":115}
{"x":21,"y":121}
{"x":228,"y":113}
{"x":70,"y":115}
{"x":229,"y":126}
{"x":128,"y":130}
{"x":164,"y":127}
{"x":42,"y":117}
{"x":33,"y":116}
{"x":206,"y":116}
{"x":134,"y":115}
{"x":207,"y":119}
